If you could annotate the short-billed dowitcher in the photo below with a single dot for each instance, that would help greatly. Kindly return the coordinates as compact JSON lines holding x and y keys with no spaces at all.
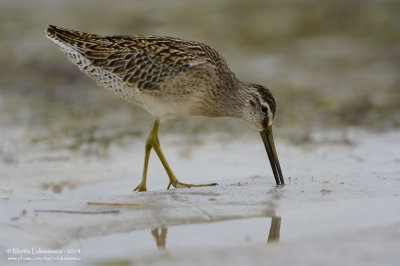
{"x":170,"y":77}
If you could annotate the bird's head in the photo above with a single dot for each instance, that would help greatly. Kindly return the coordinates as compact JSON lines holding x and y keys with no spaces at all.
{"x":259,"y":108}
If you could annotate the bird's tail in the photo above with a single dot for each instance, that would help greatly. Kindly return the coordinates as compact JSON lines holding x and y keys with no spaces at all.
{"x":76,"y":45}
{"x":73,"y":38}
{"x":73,"y":44}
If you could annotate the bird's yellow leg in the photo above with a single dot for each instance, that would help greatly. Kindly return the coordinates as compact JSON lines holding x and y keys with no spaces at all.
{"x":148,"y":146}
{"x":153,"y":142}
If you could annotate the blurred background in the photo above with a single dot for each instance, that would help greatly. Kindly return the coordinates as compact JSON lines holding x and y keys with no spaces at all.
{"x":331,"y":65}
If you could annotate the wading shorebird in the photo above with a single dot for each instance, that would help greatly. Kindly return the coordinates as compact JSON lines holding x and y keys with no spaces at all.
{"x":170,"y":77}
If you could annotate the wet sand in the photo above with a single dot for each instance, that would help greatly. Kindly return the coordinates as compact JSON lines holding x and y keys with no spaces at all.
{"x":341,"y":203}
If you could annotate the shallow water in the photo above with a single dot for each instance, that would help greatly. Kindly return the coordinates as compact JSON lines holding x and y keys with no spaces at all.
{"x":175,"y":239}
{"x":336,"y":192}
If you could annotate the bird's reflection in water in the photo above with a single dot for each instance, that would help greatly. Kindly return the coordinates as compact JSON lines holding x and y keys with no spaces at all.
{"x":274,"y":229}
{"x":160,"y":233}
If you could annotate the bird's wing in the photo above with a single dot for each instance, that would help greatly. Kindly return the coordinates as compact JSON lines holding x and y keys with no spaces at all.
{"x":142,"y":62}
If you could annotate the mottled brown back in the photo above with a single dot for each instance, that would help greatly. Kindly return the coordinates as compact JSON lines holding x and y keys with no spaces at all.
{"x":141,"y":62}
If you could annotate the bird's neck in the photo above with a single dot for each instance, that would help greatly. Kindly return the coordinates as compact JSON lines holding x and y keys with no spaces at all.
{"x":232,"y":100}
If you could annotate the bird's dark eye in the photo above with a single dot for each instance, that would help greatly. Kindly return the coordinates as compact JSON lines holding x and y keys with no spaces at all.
{"x":264,"y":109}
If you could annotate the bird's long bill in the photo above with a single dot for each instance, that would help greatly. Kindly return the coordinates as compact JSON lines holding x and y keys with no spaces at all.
{"x":268,"y":140}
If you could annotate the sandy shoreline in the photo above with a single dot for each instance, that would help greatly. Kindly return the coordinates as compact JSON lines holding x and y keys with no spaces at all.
{"x":338,"y":196}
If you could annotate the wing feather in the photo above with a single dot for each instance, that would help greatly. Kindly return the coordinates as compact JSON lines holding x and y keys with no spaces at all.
{"x":141,"y":62}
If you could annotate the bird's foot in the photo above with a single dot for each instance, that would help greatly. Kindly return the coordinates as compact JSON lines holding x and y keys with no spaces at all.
{"x":178,"y":184}
{"x":140,"y":188}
